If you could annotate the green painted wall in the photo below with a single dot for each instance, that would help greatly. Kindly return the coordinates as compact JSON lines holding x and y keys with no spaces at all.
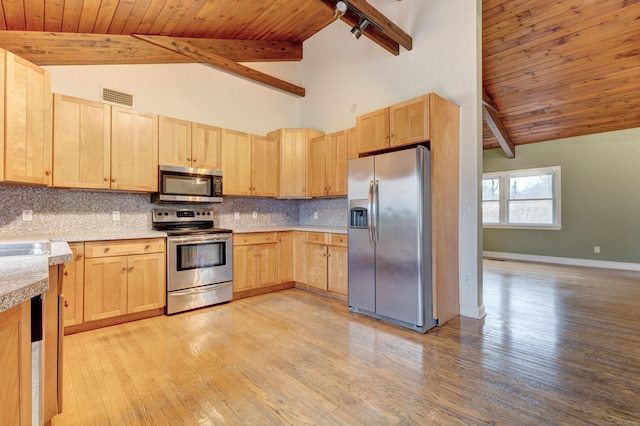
{"x":600,"y":197}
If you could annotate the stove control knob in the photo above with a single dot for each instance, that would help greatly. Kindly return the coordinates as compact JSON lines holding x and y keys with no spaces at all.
{"x":159,"y":213}
{"x":166,"y":213}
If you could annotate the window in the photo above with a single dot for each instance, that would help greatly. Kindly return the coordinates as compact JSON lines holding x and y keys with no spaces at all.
{"x":522,"y":198}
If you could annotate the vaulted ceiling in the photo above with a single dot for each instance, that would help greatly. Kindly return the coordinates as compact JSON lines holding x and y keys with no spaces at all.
{"x":551,"y":69}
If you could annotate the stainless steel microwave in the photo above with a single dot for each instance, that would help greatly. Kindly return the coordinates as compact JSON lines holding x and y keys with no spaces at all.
{"x":188,"y":185}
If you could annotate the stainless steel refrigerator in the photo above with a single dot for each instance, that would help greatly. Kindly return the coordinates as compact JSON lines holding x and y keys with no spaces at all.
{"x":390,"y":237}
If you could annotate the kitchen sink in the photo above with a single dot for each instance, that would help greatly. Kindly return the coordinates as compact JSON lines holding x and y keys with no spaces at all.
{"x":24,"y":249}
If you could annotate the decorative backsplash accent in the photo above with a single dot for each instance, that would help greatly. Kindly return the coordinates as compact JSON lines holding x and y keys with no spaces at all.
{"x":57,"y":211}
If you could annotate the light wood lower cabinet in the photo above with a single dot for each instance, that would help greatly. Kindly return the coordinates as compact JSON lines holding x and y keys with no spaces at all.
{"x":15,"y":365}
{"x":121,"y":279}
{"x":326,"y":262}
{"x":255,"y":261}
{"x":72,"y":283}
{"x":285,"y":257}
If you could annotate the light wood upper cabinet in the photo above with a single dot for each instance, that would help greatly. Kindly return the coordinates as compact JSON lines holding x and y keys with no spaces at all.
{"x":373,"y":130}
{"x":264,"y":166}
{"x":236,"y":163}
{"x":28,"y":122}
{"x":174,"y":142}
{"x":249,"y":164}
{"x":187,"y":144}
{"x":294,"y":159}
{"x":353,"y":143}
{"x":81,"y":152}
{"x":134,"y":150}
{"x":73,"y":286}
{"x":409,"y":121}
{"x":329,"y":165}
{"x":206,"y":147}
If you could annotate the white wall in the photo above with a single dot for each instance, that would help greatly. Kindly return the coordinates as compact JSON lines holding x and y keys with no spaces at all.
{"x":343,"y":78}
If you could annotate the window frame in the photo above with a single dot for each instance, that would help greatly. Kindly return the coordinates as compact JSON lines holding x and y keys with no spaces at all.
{"x":503,"y":199}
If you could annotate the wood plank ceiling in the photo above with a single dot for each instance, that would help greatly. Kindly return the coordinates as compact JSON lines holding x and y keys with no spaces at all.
{"x":551,"y":69}
{"x":558,"y":69}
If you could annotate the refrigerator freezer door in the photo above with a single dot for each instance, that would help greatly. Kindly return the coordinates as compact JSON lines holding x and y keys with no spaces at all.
{"x":362,"y":277}
{"x":399,"y":271}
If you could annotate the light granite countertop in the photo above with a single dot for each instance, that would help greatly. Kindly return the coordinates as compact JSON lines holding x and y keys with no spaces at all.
{"x":273,"y":228}
{"x":23,"y":277}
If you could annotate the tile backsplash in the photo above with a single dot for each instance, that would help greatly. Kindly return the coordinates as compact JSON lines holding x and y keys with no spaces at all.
{"x":58,"y":211}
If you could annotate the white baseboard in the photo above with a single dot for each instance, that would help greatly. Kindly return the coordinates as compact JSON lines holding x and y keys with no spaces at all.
{"x":606,"y":264}
{"x":475,"y":312}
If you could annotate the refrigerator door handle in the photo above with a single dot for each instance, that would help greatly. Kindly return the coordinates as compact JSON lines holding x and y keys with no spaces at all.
{"x":370,"y":213}
{"x":376,"y":209}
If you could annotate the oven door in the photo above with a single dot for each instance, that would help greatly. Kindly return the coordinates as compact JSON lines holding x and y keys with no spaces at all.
{"x":198,"y":260}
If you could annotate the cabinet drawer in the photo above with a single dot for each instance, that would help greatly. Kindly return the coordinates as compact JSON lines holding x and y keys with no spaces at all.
{"x":317,"y":237}
{"x":254,"y":238}
{"x":338,"y":240}
{"x":123,"y":247}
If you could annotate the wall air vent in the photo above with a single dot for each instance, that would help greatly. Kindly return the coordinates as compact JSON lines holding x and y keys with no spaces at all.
{"x":116,"y":97}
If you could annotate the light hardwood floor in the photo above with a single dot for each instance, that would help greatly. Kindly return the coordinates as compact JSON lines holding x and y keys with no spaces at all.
{"x":559,"y":345}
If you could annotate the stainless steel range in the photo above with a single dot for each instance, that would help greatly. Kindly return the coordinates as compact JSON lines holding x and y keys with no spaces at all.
{"x":199,"y":259}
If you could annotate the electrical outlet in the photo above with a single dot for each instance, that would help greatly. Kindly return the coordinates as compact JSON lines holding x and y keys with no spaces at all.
{"x":27,"y":215}
{"x":315,"y":215}
{"x":596,"y":249}
{"x":115,"y":215}
{"x":255,"y":215}
{"x":236,"y":215}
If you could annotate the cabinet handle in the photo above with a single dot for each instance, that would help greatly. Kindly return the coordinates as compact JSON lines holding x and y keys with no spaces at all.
{"x":79,"y":256}
{"x":130,"y":268}
{"x":194,"y":160}
{"x":106,"y":249}
{"x":113,"y":179}
{"x":106,"y":179}
{"x":124,"y":270}
{"x":189,"y":159}
{"x":47,"y":173}
{"x":65,"y":273}
{"x":66,"y":304}
{"x":146,"y":246}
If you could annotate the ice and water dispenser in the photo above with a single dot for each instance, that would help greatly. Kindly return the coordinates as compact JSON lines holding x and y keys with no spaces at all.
{"x":358,"y":217}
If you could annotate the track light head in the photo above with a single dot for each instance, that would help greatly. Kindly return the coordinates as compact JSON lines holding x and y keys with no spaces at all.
{"x":341,"y":9}
{"x":358,"y":29}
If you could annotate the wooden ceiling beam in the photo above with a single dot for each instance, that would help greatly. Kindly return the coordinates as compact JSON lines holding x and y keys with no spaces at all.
{"x":390,"y":38}
{"x":491,"y":116}
{"x":49,"y":48}
{"x":183,"y":47}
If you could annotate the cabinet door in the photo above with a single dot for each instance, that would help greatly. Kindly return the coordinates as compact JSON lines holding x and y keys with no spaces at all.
{"x":285,"y":257}
{"x":174,"y":140}
{"x":353,"y":143}
{"x":316,"y":265}
{"x":409,"y":121}
{"x":81,"y":152}
{"x":298,"y":239}
{"x":337,"y":270}
{"x":73,"y":286}
{"x":373,"y":130}
{"x":236,"y":163}
{"x":336,"y":163}
{"x":264,"y":166}
{"x":206,"y":147}
{"x":134,"y":150}
{"x":28,"y":125}
{"x":105,"y":287}
{"x":293,"y":163}
{"x":146,"y":288}
{"x":15,"y":365}
{"x":317,"y":161}
{"x":244,"y":268}
{"x":266,"y":264}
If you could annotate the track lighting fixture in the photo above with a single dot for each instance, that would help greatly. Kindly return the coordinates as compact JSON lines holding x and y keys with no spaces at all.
{"x":341,"y":9}
{"x":358,"y":29}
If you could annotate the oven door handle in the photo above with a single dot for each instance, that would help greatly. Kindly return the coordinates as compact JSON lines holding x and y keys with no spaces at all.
{"x":192,"y":239}
{"x":204,"y":289}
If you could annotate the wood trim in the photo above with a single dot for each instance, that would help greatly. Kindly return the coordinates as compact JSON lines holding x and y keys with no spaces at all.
{"x":390,"y":29}
{"x":92,"y":325}
{"x":262,"y":290}
{"x":324,"y":293}
{"x":188,"y":49}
